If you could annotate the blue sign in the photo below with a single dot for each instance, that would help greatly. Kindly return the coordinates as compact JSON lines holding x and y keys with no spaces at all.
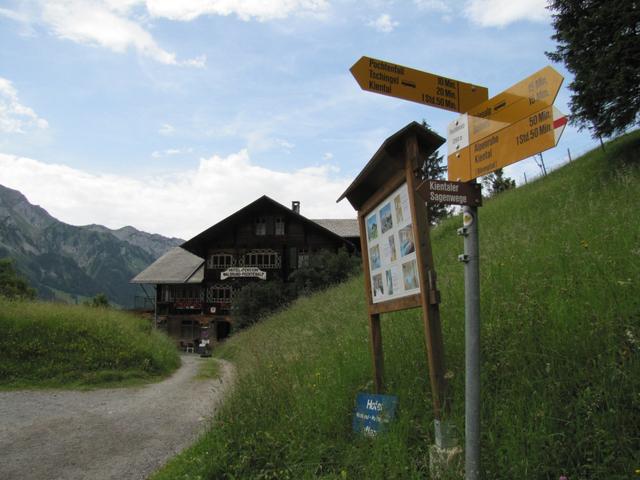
{"x":373,"y":413}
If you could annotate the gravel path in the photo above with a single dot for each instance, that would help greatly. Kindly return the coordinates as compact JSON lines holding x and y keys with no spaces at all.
{"x":124,"y":433}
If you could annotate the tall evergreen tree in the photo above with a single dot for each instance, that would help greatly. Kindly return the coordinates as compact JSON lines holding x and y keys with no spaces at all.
{"x":599,"y":42}
{"x":435,"y":168}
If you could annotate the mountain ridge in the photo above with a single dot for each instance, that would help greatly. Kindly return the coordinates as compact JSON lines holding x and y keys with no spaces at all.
{"x":63,"y":261}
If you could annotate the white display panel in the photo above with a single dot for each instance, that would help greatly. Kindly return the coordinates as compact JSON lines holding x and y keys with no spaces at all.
{"x":393,"y":269}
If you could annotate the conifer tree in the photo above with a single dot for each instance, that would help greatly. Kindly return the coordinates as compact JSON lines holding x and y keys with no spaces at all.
{"x":599,"y":42}
{"x":434,"y":168}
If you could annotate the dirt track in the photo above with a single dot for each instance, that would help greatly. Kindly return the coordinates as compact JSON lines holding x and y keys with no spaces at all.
{"x":105,"y":434}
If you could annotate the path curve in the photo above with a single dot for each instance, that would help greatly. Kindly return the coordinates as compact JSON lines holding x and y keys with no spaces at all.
{"x":123,"y":433}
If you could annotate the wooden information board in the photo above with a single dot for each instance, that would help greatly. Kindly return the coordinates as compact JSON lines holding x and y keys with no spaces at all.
{"x":396,"y":247}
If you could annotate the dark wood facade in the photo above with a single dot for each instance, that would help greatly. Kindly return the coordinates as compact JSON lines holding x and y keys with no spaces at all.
{"x":263,"y":241}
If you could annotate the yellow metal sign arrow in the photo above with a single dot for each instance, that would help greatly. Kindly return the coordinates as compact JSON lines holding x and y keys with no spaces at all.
{"x":517,"y":102}
{"x":522,"y":139}
{"x":414,"y":85}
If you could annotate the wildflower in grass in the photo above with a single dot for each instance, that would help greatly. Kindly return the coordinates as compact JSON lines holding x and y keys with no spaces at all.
{"x":584,"y":244}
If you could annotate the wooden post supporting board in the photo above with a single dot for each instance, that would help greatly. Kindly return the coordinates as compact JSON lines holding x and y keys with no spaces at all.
{"x":429,"y":294}
{"x":375,"y":334}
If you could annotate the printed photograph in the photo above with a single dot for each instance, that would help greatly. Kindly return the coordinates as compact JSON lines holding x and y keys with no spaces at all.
{"x":378,"y":289}
{"x":374,"y":257}
{"x":389,"y":282}
{"x":397,"y":203}
{"x":410,"y":275}
{"x":385,"y":218}
{"x":372,"y":227}
{"x":406,"y":241}
{"x":392,"y":248}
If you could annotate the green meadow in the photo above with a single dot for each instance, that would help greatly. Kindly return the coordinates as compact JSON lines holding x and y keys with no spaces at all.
{"x":560,"y":265}
{"x":560,"y":270}
{"x":54,"y":345}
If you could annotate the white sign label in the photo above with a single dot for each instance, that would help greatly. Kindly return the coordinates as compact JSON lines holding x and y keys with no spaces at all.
{"x":458,"y":134}
{"x":393,"y":269}
{"x":243,"y":272}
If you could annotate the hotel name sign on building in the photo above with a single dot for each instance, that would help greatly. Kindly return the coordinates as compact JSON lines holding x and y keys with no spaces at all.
{"x":243,"y":272}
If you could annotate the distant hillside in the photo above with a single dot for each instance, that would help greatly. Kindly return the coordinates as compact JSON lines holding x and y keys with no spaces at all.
{"x":155,"y":244}
{"x":70,"y":263}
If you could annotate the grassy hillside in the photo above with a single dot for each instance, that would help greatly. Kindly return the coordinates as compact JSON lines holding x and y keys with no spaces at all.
{"x":560,"y":270}
{"x":50,"y":345}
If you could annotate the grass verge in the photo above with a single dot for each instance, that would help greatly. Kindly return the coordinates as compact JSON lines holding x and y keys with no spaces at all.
{"x":560,"y":270}
{"x":209,"y":369}
{"x":47,"y":345}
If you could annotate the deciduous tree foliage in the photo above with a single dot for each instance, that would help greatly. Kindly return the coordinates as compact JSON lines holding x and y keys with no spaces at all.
{"x":497,"y":182}
{"x":12,"y":285}
{"x":599,"y":42}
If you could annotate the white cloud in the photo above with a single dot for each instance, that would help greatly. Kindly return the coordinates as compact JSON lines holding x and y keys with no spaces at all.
{"x":384,"y":23}
{"x":14,"y":15}
{"x":170,"y":152}
{"x":166,"y":129}
{"x":95,"y":23}
{"x":182,"y":204}
{"x":434,"y":5}
{"x":499,"y":13}
{"x":186,"y":10}
{"x":327,"y":156}
{"x":119,"y":25}
{"x":15,"y":117}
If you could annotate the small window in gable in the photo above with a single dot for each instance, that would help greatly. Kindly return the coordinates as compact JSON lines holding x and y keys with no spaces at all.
{"x":261,"y":226}
{"x":279,"y":226}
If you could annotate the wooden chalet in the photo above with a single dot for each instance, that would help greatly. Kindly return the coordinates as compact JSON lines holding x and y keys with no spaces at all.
{"x":196,"y":283}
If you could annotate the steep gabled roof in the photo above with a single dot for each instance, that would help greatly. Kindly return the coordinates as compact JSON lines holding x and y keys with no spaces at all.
{"x":345,"y":227}
{"x":197,"y":245}
{"x":175,"y":266}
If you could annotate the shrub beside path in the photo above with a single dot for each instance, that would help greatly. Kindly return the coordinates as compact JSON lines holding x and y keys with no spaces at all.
{"x":121,"y":433}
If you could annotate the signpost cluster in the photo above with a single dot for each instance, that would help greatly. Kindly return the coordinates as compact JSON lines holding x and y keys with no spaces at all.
{"x":490,"y":134}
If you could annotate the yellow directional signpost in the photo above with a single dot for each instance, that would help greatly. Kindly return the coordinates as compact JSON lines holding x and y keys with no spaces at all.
{"x":492,"y":133}
{"x":522,"y":139}
{"x":414,"y":85}
{"x":513,"y":125}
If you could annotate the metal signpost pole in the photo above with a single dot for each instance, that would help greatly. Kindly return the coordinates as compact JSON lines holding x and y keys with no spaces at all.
{"x":472,"y":341}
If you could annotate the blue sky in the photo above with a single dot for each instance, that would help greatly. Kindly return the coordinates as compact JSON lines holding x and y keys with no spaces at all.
{"x":169,"y":116}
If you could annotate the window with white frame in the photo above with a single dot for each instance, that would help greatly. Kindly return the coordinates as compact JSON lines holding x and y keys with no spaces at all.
{"x":279,"y":226}
{"x":261,"y":226}
{"x":219,"y":294}
{"x":221,"y":260}
{"x":263,"y":258}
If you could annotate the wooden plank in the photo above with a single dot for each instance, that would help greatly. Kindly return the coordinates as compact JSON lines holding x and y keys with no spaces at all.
{"x":365,"y":259}
{"x":428,"y":290}
{"x":375,"y":335}
{"x":403,"y":303}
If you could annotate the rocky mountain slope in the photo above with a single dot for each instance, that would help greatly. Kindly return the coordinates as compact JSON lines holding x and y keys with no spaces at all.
{"x":67,"y":262}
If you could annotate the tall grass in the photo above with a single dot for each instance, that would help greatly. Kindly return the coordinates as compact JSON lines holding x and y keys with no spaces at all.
{"x":44,"y":344}
{"x":560,"y":270}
